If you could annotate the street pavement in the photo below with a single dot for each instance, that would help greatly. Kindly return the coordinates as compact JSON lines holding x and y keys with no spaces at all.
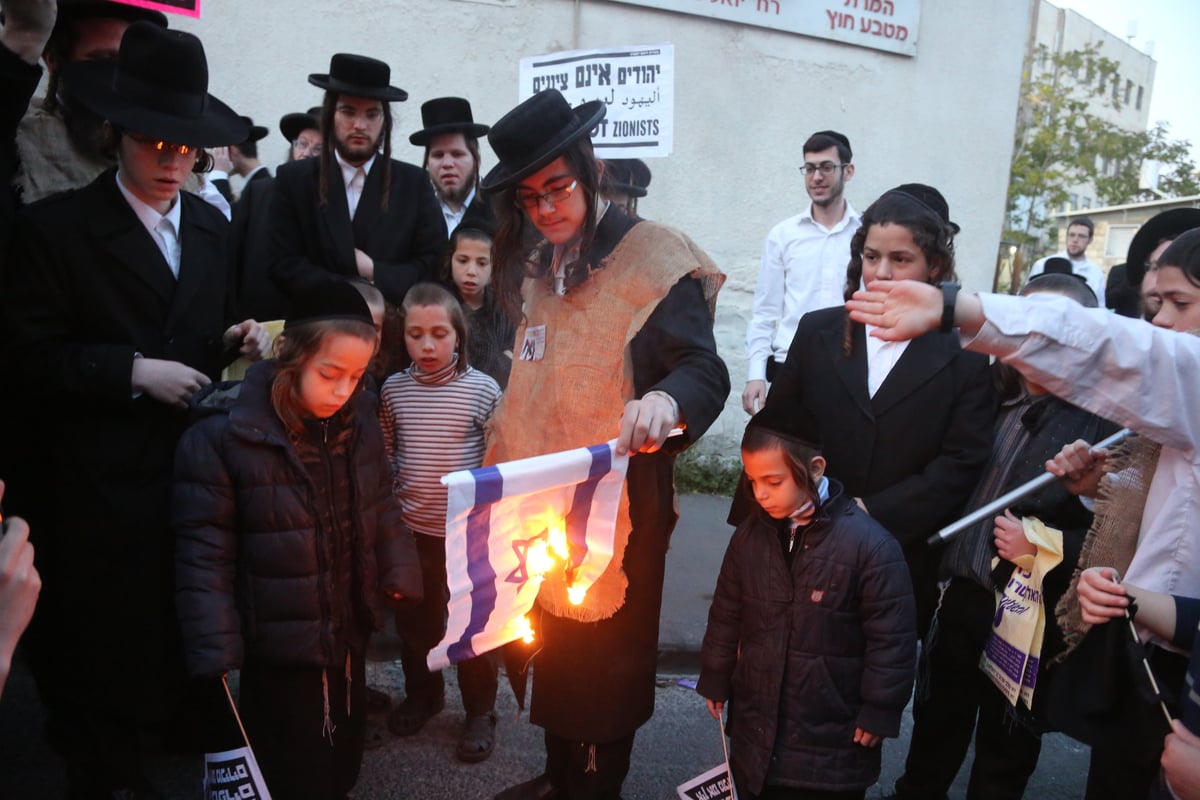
{"x":679,"y":742}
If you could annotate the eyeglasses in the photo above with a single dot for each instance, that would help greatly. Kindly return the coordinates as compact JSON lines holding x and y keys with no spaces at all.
{"x":559,"y":194}
{"x":825,"y":168}
{"x":306,"y":146}
{"x":161,"y":145}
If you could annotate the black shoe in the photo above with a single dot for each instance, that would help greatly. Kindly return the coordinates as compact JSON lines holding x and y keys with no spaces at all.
{"x":478,"y":738}
{"x":539,"y":788}
{"x":412,"y":714}
{"x":378,"y":700}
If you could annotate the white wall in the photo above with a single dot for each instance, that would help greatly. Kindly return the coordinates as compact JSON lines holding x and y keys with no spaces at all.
{"x":746,"y":98}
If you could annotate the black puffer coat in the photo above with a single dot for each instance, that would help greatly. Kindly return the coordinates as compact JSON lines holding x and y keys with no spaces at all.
{"x":804,"y":656}
{"x":269,"y":569}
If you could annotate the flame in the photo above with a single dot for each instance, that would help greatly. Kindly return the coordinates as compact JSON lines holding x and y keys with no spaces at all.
{"x":538,"y":559}
{"x":575,"y":594}
{"x":558,"y":539}
{"x":525,"y":630}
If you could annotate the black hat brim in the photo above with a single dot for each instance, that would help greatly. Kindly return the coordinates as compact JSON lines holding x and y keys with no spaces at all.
{"x":90,"y":83}
{"x":423,"y":137}
{"x":1167,"y":225}
{"x":587,"y":116}
{"x":387,"y":94}
{"x":292,"y":125}
{"x":629,"y":189}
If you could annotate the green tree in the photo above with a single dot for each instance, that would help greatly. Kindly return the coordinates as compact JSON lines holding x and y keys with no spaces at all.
{"x":1061,"y":141}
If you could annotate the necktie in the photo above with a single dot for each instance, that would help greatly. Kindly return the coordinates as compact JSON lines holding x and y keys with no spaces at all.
{"x":168,"y":243}
{"x":354,"y":191}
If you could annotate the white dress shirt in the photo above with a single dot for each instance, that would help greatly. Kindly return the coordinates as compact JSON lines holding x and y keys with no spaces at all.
{"x":1136,"y":375}
{"x":163,"y":228}
{"x":354,"y":188}
{"x":881,"y":357}
{"x":803,"y":268}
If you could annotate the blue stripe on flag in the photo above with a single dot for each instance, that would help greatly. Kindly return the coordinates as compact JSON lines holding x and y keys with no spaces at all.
{"x":489,"y":488}
{"x":581,"y":502}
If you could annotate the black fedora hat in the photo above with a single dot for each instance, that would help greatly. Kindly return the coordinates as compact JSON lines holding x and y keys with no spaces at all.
{"x":446,"y":115}
{"x":291,"y":125}
{"x":629,"y":176}
{"x":358,"y":76}
{"x":71,"y":10}
{"x":256,"y":131}
{"x":535,"y":133}
{"x":158,"y":86}
{"x":1166,"y":225}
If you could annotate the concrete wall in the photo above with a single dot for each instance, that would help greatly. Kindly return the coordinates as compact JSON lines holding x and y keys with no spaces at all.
{"x":746,"y":98}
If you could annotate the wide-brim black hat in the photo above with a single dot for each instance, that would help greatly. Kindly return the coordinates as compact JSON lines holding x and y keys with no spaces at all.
{"x":629,"y":176}
{"x":1166,"y":225}
{"x":257,"y":132}
{"x":359,"y":76}
{"x":535,"y":133}
{"x":103,"y":9}
{"x":158,"y":86}
{"x":292,"y":125}
{"x":446,"y":115}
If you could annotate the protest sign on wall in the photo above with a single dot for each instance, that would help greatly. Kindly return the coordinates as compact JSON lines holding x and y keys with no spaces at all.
{"x":889,"y":25}
{"x":636,"y":82}
{"x":189,"y":8}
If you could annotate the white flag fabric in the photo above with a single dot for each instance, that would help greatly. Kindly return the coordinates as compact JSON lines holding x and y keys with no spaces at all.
{"x":495,"y":515}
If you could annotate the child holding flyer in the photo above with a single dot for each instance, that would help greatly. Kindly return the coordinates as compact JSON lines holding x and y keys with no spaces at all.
{"x":810,"y":636}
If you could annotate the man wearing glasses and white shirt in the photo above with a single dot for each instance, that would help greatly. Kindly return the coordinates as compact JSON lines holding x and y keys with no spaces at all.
{"x":803,"y":263}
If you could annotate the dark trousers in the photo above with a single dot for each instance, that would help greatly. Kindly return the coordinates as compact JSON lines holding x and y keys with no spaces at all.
{"x":788,"y":793}
{"x":422,"y":625}
{"x":1116,"y":772}
{"x":587,"y":770}
{"x":954,"y":700}
{"x":304,"y":756}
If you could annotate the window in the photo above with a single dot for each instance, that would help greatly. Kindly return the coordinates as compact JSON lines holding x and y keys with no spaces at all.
{"x":1128,"y":91}
{"x":1117,"y":239}
{"x":1141,"y":90}
{"x":1074,"y":202}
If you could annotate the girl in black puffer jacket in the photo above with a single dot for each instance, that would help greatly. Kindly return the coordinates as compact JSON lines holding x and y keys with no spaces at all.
{"x":811,"y":635}
{"x":288,"y":539}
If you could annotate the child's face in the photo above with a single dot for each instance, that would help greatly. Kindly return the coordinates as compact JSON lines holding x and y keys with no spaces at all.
{"x":772,"y":482}
{"x":430,"y":337}
{"x":471,"y":267}
{"x":1180,"y":300}
{"x":333,"y":372}
{"x":890,"y":254}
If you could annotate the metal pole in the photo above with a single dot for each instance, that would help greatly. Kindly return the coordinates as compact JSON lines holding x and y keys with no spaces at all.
{"x":1005,"y":500}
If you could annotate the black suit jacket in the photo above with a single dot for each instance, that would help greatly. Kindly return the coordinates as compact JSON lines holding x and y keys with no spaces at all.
{"x":258,"y":296}
{"x":915,"y":450}
{"x":310,"y":242}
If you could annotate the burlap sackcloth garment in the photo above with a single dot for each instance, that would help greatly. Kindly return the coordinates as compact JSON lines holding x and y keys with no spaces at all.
{"x":1113,"y":537}
{"x":575,"y":395}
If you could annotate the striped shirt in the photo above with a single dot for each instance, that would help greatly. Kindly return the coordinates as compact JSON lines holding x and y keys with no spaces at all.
{"x":431,"y":430}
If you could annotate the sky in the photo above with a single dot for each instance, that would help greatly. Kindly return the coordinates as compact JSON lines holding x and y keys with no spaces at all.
{"x":1172,"y":26}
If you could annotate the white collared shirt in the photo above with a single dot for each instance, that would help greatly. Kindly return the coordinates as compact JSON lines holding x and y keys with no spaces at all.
{"x":1136,"y":375}
{"x":163,"y":228}
{"x":454,"y":218}
{"x":803,"y":269}
{"x":348,"y":173}
{"x":881,"y":358}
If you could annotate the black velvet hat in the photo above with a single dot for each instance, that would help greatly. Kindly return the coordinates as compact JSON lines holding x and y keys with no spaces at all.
{"x":535,"y":133}
{"x":1058,"y":265}
{"x":328,"y":300}
{"x":630,"y":176}
{"x":1167,"y":225}
{"x":256,"y":131}
{"x":292,"y":125}
{"x":158,"y":86}
{"x":928,"y":197}
{"x":358,"y":76}
{"x":788,"y":423}
{"x":447,"y":115}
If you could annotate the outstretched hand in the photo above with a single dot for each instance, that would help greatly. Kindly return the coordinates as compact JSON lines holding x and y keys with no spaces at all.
{"x":899,"y":310}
